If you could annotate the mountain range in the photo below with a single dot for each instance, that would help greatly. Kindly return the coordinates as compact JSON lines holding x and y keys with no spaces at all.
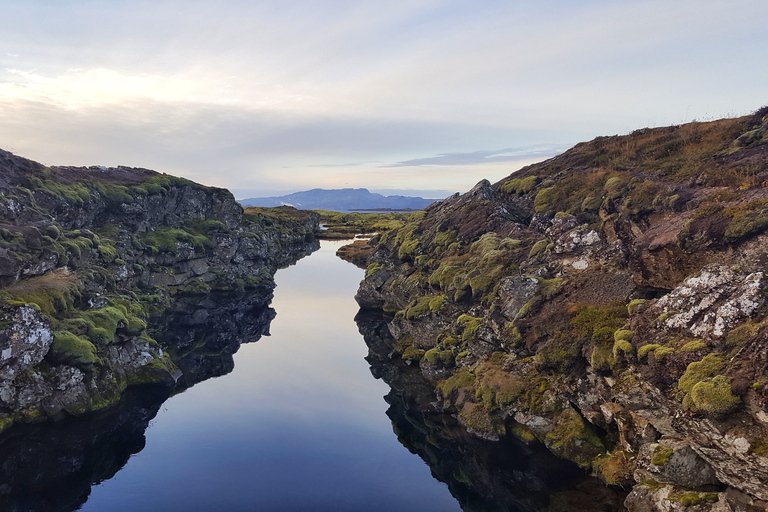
{"x":344,"y":199}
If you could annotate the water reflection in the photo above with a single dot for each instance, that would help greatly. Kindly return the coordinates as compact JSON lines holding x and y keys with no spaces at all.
{"x":482,"y":475}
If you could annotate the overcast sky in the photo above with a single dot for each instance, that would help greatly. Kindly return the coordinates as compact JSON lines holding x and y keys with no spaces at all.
{"x":419,"y":96}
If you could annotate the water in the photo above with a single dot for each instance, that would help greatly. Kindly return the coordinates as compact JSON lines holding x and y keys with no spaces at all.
{"x":299,"y":424}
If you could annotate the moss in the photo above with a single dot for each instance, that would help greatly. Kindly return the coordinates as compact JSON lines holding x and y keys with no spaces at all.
{"x":691,"y":499}
{"x":663,"y":352}
{"x":68,"y":348}
{"x":623,"y":335}
{"x":519,"y":185}
{"x":107,"y":252}
{"x":693,"y":346}
{"x":634,"y":305}
{"x":661,"y":455}
{"x":698,"y":371}
{"x":622,"y":347}
{"x":521,"y":432}
{"x":435,"y":356}
{"x":714,"y":396}
{"x":572,"y":438}
{"x":646,"y":349}
{"x":615,"y":468}
{"x":739,"y":336}
{"x":479,"y":419}
{"x":652,"y":485}
{"x":545,"y":198}
{"x":412,"y":353}
{"x":591,"y":203}
{"x":166,"y":239}
{"x":538,"y":248}
{"x":461,"y":379}
{"x":471,"y":325}
{"x":105,"y":322}
{"x":372,"y":269}
{"x":444,"y":238}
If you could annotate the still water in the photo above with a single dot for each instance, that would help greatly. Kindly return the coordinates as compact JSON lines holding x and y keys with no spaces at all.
{"x":299,"y":425}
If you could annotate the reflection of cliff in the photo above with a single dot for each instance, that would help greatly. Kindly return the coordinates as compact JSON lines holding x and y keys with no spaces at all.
{"x":482,"y":475}
{"x":52,"y":466}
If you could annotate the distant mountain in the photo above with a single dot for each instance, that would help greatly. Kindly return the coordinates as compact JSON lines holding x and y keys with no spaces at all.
{"x":340,"y":200}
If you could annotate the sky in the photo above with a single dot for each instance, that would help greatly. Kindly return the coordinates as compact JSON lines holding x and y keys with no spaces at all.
{"x":420,"y":97}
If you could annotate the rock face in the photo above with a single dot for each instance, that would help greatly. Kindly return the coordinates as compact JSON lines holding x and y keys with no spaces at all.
{"x":609,"y":304}
{"x":96,"y":264}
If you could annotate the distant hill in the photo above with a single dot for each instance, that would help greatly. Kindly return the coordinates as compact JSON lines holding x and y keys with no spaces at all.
{"x":340,"y":200}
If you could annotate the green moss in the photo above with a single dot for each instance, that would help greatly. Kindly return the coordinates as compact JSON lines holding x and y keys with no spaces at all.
{"x":412,"y":353}
{"x":691,"y":499}
{"x":461,"y":379}
{"x":663,"y":352}
{"x":623,"y":335}
{"x":444,"y":238}
{"x":166,"y":239}
{"x":693,"y":346}
{"x":714,"y":396}
{"x":739,"y":336}
{"x":698,"y":371}
{"x":519,"y":185}
{"x":107,"y":252}
{"x":522,"y":432}
{"x":661,"y":455}
{"x":652,"y":485}
{"x":372,"y":269}
{"x":645,"y":349}
{"x":471,"y":325}
{"x":435,"y":356}
{"x":572,"y":438}
{"x":538,"y":248}
{"x":68,"y":348}
{"x":545,"y":198}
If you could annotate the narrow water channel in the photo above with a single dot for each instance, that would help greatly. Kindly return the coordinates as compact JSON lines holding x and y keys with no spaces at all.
{"x":299,"y":425}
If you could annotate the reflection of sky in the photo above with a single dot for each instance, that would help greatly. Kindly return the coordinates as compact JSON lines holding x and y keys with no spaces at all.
{"x":299,"y":425}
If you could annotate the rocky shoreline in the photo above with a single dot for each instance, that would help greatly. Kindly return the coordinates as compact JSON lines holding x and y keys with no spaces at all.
{"x":608,"y":304}
{"x":96,"y":264}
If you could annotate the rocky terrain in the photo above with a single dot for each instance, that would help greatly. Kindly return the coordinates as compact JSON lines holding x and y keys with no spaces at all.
{"x":97,"y":264}
{"x":609,"y":304}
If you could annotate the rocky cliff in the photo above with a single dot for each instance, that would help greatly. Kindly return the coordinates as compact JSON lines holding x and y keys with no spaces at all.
{"x":97,"y":263}
{"x":609,"y":304}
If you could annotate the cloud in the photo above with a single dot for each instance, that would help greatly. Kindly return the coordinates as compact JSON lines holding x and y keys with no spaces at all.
{"x":481,"y":157}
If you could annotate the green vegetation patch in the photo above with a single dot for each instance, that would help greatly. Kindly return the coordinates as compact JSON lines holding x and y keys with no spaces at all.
{"x":714,"y":396}
{"x":691,"y":499}
{"x":572,"y":438}
{"x":73,"y":350}
{"x":708,"y":367}
{"x":519,"y":185}
{"x":661,"y":455}
{"x":167,"y":239}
